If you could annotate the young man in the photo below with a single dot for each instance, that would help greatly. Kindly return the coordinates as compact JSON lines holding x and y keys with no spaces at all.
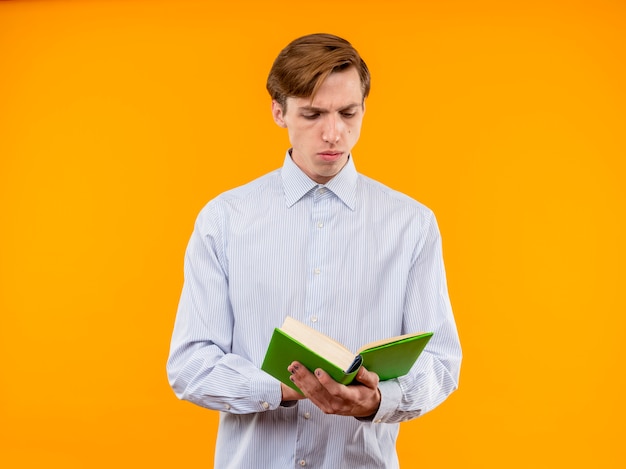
{"x":334,"y":249}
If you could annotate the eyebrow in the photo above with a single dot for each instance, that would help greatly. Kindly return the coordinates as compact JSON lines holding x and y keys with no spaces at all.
{"x":322,"y":111}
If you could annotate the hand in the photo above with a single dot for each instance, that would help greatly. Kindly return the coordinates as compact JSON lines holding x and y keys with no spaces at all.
{"x":290,"y":394}
{"x":359,"y":399}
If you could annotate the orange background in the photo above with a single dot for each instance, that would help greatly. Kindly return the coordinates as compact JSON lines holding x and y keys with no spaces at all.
{"x":120,"y":120}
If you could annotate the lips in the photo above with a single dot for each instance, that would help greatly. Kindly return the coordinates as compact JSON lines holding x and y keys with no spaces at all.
{"x":330,"y":155}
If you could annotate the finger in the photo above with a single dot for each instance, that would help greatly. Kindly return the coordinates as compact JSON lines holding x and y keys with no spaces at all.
{"x":305,"y":380}
{"x":367,"y":378}
{"x":294,"y":366}
{"x":326,"y":380}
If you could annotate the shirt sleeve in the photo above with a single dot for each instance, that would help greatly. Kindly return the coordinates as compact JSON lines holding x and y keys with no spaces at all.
{"x":201,"y":367}
{"x":435,"y":375}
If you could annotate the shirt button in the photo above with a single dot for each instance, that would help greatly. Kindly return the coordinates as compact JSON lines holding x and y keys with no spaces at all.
{"x":302,"y":462}
{"x":320,"y":224}
{"x":377,"y":421}
{"x":265,"y":405}
{"x":313,"y":318}
{"x":307,"y":415}
{"x":227,"y":406}
{"x":317,"y":271}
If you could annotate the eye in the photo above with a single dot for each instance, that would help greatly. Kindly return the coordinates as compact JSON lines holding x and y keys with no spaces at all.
{"x":310,"y":116}
{"x":348,"y":115}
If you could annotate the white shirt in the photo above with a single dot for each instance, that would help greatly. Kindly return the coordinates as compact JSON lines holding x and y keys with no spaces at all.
{"x":352,"y":258}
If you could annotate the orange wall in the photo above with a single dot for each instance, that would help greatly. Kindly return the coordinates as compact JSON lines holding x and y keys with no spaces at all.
{"x":119,"y":120}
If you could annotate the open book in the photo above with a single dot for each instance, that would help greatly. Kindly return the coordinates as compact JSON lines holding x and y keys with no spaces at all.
{"x":295,"y":341}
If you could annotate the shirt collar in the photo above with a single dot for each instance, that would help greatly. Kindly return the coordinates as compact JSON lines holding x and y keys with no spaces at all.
{"x":296,"y":184}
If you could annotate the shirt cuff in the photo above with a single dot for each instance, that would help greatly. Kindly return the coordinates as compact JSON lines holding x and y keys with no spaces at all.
{"x":265,"y":391}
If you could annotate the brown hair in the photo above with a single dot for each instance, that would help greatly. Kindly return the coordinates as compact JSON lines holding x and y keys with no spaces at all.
{"x":302,"y":66}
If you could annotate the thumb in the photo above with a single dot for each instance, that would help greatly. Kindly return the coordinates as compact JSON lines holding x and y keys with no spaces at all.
{"x":368,"y":378}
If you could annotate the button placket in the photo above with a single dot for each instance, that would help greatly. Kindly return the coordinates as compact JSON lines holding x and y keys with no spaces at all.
{"x":321,"y":204}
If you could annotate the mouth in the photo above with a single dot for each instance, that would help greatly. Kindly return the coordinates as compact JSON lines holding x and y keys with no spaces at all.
{"x":330,"y":155}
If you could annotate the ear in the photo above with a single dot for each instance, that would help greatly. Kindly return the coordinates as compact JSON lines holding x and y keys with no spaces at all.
{"x":278,"y":114}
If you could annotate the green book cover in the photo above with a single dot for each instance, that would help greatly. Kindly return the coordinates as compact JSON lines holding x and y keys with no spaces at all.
{"x":295,"y":341}
{"x":395,"y":358}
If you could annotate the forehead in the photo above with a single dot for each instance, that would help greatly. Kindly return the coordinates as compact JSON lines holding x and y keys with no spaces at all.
{"x":339,"y":90}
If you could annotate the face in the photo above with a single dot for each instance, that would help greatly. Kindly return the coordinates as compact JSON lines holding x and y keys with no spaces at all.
{"x":322,"y":132}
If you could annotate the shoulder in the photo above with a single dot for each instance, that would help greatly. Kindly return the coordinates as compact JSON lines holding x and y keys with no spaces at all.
{"x":249,"y":197}
{"x":400,"y":216}
{"x":251,"y":189}
{"x":377,"y":193}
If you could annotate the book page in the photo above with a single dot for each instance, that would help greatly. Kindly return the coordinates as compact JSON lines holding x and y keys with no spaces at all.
{"x":390,"y":340}
{"x":318,"y":342}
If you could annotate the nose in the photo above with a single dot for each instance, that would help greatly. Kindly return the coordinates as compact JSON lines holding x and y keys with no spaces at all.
{"x":332,"y":129}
